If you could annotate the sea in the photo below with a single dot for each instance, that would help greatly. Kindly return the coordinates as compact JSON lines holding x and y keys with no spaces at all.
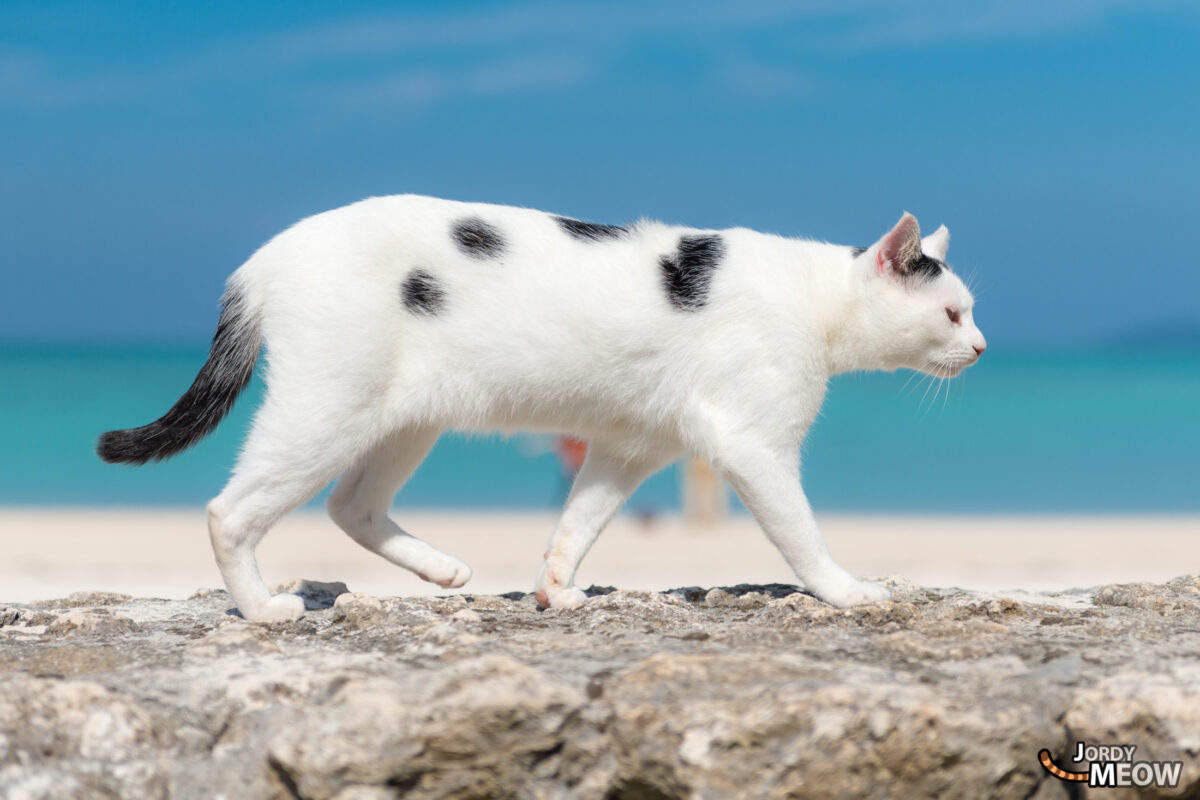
{"x":1110,"y":430}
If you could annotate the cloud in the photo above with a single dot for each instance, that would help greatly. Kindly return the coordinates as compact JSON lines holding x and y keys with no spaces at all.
{"x":29,"y":80}
{"x":428,"y":57}
{"x":418,"y":87}
{"x":757,"y":78}
{"x":916,"y":24}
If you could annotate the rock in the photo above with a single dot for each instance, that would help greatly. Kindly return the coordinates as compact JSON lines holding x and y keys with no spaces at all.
{"x":466,"y":616}
{"x":316,"y":594}
{"x":91,"y":621}
{"x":357,"y":610}
{"x":89,"y":599}
{"x":737,"y":691}
{"x":1158,"y":711}
{"x":484,"y":725}
{"x":239,"y":636}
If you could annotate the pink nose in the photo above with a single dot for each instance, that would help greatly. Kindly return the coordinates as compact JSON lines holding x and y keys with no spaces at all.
{"x":978,"y":350}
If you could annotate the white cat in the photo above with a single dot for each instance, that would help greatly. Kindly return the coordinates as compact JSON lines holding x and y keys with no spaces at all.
{"x":393,"y":319}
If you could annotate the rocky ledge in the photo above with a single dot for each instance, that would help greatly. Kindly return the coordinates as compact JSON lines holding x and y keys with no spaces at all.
{"x":746,"y":691}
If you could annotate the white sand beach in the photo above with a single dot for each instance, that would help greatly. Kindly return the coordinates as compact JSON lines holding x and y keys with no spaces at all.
{"x":53,"y":552}
{"x":49,"y":553}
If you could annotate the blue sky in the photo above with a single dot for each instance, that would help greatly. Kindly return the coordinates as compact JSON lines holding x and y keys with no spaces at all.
{"x":148,"y":148}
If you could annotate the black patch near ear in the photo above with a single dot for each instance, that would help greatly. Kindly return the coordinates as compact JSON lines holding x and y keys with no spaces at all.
{"x":422,"y":294}
{"x":476,"y":238}
{"x":925,"y":268}
{"x":687,"y":273}
{"x":855,"y":252}
{"x":590,"y":231}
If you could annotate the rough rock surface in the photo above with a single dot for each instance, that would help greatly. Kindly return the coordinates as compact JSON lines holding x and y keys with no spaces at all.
{"x":748,"y":691}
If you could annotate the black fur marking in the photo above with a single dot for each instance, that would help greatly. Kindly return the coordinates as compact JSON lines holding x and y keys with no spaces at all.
{"x":590,"y":231}
{"x":924,"y":268}
{"x":477,"y":238}
{"x":687,"y":273}
{"x":224,"y":375}
{"x":422,"y":294}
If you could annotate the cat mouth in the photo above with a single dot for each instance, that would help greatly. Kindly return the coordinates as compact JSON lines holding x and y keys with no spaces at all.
{"x":958,"y":369}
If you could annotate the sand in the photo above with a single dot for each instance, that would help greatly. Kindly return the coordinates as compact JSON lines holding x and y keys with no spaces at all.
{"x":47,"y":553}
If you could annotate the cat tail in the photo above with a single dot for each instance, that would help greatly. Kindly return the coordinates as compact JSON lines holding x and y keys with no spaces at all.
{"x":230,"y":364}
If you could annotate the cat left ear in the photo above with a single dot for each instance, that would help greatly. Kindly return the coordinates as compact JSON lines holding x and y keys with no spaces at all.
{"x":937,"y":243}
{"x":900,"y":248}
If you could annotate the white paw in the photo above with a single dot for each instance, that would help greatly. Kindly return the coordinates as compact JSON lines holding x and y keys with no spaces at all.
{"x":280,"y":608}
{"x":846,"y":590}
{"x":560,"y":596}
{"x":551,"y":593}
{"x":446,"y":571}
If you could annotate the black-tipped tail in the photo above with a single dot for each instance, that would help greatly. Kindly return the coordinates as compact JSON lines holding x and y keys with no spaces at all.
{"x":222,"y":378}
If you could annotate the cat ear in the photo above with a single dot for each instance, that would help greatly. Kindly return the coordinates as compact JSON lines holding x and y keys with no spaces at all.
{"x":937,"y":243}
{"x":900,"y":248}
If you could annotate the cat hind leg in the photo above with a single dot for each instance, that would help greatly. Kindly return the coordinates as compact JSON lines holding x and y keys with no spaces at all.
{"x":269,"y":482}
{"x":360,"y":502}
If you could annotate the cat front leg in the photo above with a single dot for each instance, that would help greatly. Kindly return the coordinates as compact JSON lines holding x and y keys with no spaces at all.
{"x":603,"y":484}
{"x":768,"y":482}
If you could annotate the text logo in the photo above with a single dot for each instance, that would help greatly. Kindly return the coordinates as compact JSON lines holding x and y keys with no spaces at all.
{"x":1112,"y":765}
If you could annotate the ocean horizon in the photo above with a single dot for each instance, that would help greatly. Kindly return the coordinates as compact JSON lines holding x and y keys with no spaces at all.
{"x":1099,"y":431}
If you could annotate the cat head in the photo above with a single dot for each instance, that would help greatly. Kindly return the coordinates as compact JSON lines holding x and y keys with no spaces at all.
{"x":915,"y":311}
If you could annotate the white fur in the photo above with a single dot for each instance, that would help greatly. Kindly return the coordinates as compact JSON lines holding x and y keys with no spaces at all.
{"x":557,"y":335}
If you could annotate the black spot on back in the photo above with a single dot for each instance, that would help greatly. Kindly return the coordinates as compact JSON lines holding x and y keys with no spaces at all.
{"x":590,"y":231}
{"x":422,"y":294}
{"x":687,"y":273}
{"x":477,"y":238}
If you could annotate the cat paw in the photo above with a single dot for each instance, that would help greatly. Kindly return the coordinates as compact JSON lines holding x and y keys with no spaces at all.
{"x":560,"y":596}
{"x":850,"y":591}
{"x":446,"y":571}
{"x":551,"y":593}
{"x":280,"y":608}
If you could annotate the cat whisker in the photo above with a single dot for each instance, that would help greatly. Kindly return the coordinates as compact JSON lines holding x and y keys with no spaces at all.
{"x":932,"y":382}
{"x":937,"y":389}
{"x":942,"y":372}
{"x":914,"y":374}
{"x":971,"y":281}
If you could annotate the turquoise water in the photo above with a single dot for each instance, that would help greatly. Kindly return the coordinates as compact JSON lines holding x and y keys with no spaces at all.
{"x":1058,"y":433}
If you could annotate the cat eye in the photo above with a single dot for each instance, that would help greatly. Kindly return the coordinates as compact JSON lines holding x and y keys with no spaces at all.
{"x":952,"y":313}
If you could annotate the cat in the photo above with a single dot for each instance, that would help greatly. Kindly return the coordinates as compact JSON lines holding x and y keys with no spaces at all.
{"x":390,"y":320}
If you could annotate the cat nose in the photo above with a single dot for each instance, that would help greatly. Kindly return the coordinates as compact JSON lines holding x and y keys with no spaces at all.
{"x":978,"y":349}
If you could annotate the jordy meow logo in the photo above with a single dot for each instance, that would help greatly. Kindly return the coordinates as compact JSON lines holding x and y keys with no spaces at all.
{"x":1112,"y":765}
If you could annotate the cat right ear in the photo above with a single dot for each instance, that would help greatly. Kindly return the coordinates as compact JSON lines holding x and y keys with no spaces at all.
{"x":937,"y":243}
{"x":900,"y":248}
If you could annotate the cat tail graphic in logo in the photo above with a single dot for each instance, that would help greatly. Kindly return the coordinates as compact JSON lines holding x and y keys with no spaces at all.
{"x":1057,"y":771}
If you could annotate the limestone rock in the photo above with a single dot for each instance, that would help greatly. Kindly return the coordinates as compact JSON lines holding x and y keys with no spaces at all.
{"x":735,"y":691}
